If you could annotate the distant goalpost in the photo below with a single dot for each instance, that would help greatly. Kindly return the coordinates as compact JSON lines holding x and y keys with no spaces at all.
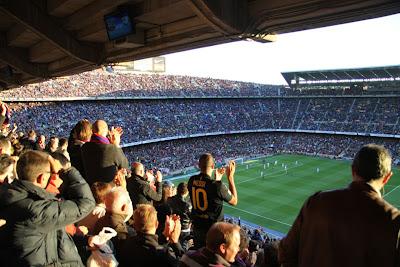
{"x":237,"y":160}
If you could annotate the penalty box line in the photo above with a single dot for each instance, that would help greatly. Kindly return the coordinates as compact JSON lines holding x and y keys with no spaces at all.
{"x":269,"y":174}
{"x":258,"y":215}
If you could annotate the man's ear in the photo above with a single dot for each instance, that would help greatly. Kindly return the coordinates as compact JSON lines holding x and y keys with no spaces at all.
{"x":124,"y":208}
{"x":387,"y":178}
{"x":40,"y":179}
{"x":222,"y":248}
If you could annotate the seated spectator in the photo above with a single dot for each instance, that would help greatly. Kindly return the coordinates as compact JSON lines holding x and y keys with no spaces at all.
{"x":100,"y":156}
{"x":353,"y":226}
{"x":139,"y":187}
{"x":34,"y":234}
{"x":222,"y":246}
{"x":144,"y":248}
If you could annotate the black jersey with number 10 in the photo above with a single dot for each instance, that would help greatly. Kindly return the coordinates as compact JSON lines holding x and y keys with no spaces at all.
{"x":207,"y":196}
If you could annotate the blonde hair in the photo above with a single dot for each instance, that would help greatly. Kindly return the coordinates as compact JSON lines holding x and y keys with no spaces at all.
{"x":144,"y":218}
{"x":220,"y":233}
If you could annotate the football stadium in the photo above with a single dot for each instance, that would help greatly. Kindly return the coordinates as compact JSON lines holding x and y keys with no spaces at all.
{"x":107,"y":159}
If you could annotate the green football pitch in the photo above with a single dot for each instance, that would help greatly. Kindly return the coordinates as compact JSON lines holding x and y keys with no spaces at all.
{"x":274,"y":199}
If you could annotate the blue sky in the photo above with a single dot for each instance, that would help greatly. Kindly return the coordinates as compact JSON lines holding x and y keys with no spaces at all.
{"x":366,"y":43}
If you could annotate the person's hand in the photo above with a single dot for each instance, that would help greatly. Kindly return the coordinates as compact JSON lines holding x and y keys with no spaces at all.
{"x":82,"y":230}
{"x":169,"y":226}
{"x":149,"y":176}
{"x":176,"y":233}
{"x":99,"y":210}
{"x":3,"y":108}
{"x":115,"y":135}
{"x":230,"y":169}
{"x":251,"y":259}
{"x":172,"y":229}
{"x":219,"y":173}
{"x":244,"y":254}
{"x":15,"y":127}
{"x":55,"y":165}
{"x":159,"y":177}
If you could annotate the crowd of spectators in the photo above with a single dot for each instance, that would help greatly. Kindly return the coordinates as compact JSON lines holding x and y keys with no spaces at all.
{"x":153,"y":119}
{"x":183,"y":153}
{"x":58,"y":201}
{"x":148,"y":120}
{"x":342,"y":90}
{"x":100,"y":83}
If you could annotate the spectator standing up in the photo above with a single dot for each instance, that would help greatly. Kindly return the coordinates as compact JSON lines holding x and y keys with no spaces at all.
{"x":80,"y":134}
{"x":353,"y":226}
{"x":180,"y":205}
{"x":5,"y":146}
{"x":40,"y":144}
{"x":222,"y":246}
{"x":29,"y":141}
{"x":139,"y":187}
{"x":34,"y":234}
{"x":101,"y":155}
{"x":52,"y":145}
{"x":63,"y":147}
{"x":118,"y":211}
{"x":144,"y":248}
{"x":208,"y":195}
{"x":7,"y":167}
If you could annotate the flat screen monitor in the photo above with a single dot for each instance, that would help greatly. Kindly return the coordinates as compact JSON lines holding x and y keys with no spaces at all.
{"x":118,"y":25}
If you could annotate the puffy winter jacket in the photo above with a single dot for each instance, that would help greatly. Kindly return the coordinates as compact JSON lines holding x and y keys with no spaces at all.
{"x":34,"y":234}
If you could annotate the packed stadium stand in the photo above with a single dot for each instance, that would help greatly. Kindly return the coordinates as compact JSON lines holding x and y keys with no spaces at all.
{"x":168,"y":121}
{"x":153,"y":108}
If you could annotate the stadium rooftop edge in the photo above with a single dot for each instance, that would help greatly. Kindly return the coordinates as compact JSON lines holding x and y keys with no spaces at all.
{"x":382,"y":74}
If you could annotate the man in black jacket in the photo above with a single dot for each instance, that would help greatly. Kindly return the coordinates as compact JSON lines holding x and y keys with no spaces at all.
{"x":139,"y":187}
{"x":180,"y":205}
{"x":144,"y":248}
{"x":101,"y":156}
{"x":34,"y":234}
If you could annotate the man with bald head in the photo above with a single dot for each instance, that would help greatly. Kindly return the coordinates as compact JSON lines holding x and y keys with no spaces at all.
{"x":103,"y":156}
{"x":139,"y":186}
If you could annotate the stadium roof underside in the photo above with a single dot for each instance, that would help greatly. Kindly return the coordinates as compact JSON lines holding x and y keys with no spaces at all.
{"x":41,"y":39}
{"x":388,"y":74}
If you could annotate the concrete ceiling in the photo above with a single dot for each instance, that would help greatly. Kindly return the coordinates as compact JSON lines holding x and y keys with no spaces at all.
{"x":40,"y":39}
